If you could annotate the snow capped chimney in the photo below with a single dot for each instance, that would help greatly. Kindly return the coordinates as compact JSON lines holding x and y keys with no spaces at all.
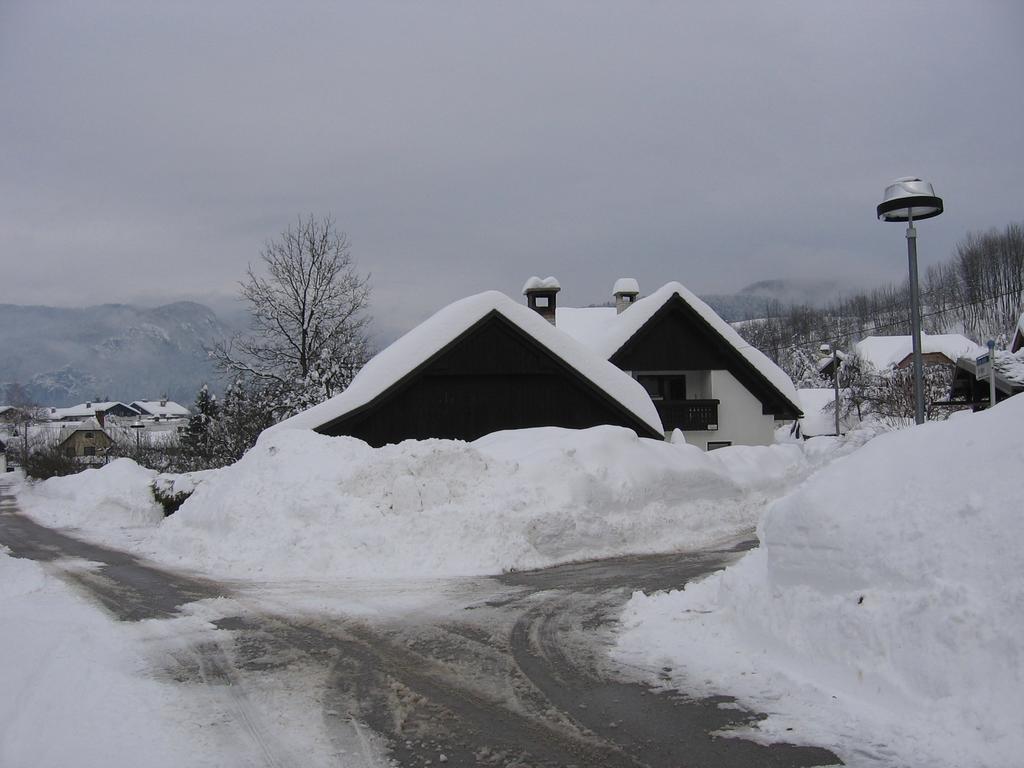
{"x":626,"y":290}
{"x":163,"y":401}
{"x":89,"y":404}
{"x":540,"y":296}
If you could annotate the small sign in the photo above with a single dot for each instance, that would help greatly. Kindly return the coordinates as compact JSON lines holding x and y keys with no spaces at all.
{"x":983,"y":366}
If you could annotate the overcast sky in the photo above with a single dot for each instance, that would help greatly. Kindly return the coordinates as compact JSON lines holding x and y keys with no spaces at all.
{"x":147,"y":150}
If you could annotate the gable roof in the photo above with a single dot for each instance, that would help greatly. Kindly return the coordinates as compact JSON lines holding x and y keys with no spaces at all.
{"x":89,"y":425}
{"x":883,"y":352}
{"x":86,"y":410}
{"x":1018,"y":336}
{"x":161,"y":408}
{"x":434,"y":334}
{"x":606,"y":332}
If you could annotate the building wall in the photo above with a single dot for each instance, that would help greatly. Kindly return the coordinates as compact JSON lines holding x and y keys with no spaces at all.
{"x":740,"y":417}
{"x":77,"y":443}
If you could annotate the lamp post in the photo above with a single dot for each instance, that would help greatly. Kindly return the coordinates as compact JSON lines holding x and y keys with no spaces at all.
{"x":909,"y":199}
{"x":827,"y":349}
{"x":138,"y":426}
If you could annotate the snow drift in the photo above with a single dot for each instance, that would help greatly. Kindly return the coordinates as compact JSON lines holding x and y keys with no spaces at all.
{"x":113,"y":496}
{"x":893,"y":580}
{"x":304,"y":505}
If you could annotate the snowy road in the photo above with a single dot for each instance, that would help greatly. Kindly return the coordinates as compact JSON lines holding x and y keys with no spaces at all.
{"x":509,"y":671}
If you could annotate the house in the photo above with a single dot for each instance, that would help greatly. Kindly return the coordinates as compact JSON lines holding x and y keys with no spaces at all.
{"x":827,"y":365}
{"x":486,"y":363}
{"x":884,"y":352}
{"x":1007,"y":367}
{"x":481,"y":365}
{"x":88,"y":441}
{"x":160,"y":410}
{"x":3,"y":456}
{"x":703,"y":378}
{"x":88,"y":410}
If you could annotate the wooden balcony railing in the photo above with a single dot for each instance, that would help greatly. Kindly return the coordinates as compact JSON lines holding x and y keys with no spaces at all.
{"x":688,"y":415}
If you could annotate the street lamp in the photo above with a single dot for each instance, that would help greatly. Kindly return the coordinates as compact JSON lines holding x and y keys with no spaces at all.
{"x":909,"y":199}
{"x":138,"y":426}
{"x":826,"y":349}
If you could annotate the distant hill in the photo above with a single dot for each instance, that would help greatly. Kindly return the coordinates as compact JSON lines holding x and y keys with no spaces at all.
{"x":753,"y":301}
{"x":112,"y":351}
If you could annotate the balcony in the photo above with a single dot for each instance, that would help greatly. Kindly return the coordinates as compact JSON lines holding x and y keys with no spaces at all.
{"x":688,"y":415}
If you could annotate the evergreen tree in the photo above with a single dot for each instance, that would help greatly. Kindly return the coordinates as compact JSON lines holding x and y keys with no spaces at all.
{"x":197,"y":439}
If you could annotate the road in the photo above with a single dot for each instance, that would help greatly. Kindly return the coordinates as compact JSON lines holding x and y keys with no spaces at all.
{"x":511,"y":671}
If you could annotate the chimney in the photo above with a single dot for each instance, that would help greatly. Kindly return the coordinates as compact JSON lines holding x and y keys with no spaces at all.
{"x":89,"y":404}
{"x":101,"y":417}
{"x":163,"y":401}
{"x":625,"y":290}
{"x":540,"y":296}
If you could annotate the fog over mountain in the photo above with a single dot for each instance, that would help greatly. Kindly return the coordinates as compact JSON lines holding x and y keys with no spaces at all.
{"x":112,"y":351}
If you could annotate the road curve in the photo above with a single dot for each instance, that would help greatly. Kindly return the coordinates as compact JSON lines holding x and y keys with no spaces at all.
{"x":518,"y":676}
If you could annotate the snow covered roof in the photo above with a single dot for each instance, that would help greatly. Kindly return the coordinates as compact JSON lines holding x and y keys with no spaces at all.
{"x":604,"y":331}
{"x":535,"y":283}
{"x":85,"y":410}
{"x":825,"y":362}
{"x":885,"y":351}
{"x":432,"y":335}
{"x":89,"y":425}
{"x":163,"y":408}
{"x":1010,"y":365}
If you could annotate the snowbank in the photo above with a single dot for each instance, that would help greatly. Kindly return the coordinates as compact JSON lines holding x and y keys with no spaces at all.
{"x":75,"y":692}
{"x":113,"y":496}
{"x":302,"y":505}
{"x":884,"y":607}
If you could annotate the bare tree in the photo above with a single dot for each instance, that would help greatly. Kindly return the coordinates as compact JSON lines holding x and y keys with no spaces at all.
{"x":309,"y":322}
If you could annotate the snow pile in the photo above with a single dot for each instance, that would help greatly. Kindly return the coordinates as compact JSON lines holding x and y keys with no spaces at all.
{"x":303,"y":505}
{"x":75,"y":692}
{"x":885,"y":603}
{"x":113,"y":496}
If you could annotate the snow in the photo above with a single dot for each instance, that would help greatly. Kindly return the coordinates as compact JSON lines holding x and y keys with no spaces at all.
{"x":76,"y":690}
{"x":162,"y":408}
{"x":83,"y":410}
{"x":535,"y":283}
{"x":111,"y":497}
{"x":300,"y":503}
{"x":882,"y":613}
{"x":429,"y":337}
{"x":588,"y":325}
{"x":1010,"y":366}
{"x":626,"y":285}
{"x":883,"y":352}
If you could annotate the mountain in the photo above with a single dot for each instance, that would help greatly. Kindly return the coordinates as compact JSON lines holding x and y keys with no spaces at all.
{"x":112,"y":351}
{"x":754,"y":300}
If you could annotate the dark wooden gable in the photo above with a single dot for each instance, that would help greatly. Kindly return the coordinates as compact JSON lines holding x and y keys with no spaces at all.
{"x":492,"y":377}
{"x":678,"y":338}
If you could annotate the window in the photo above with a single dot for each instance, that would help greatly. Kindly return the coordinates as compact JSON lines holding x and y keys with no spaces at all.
{"x":664,"y":387}
{"x":89,"y":450}
{"x":88,"y":435}
{"x":714,"y":446}
{"x":542,"y":301}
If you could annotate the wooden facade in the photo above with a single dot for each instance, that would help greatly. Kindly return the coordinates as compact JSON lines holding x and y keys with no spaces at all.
{"x":678,"y":338}
{"x":493,"y":376}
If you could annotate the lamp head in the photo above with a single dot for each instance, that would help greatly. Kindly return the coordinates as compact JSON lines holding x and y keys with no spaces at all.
{"x":909,"y":196}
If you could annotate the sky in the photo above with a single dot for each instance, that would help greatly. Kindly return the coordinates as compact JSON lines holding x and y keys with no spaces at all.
{"x":149,"y":150}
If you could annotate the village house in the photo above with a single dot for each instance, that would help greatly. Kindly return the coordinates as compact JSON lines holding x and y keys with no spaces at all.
{"x":87,"y":441}
{"x":88,"y":410}
{"x":160,"y":410}
{"x":1007,"y":367}
{"x":487,"y":363}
